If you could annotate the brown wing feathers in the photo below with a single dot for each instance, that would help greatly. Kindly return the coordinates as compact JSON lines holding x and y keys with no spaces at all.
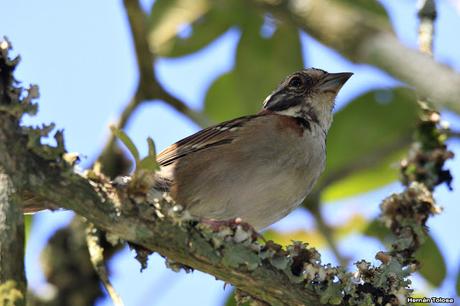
{"x":212,"y":136}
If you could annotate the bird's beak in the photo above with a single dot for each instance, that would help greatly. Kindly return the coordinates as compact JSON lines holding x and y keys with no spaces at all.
{"x":332,"y":82}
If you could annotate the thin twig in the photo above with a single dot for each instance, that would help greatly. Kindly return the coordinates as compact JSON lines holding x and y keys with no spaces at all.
{"x":149,"y":88}
{"x":96,"y":254}
{"x":181,"y":107}
{"x":427,"y":15}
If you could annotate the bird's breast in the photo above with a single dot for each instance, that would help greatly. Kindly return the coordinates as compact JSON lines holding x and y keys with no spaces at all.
{"x":260,"y":177}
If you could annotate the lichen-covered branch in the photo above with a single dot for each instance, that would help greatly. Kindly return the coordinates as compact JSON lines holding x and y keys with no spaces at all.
{"x":406,"y":213}
{"x":13,"y":283}
{"x":96,"y":252}
{"x":365,"y":37}
{"x":149,"y":87}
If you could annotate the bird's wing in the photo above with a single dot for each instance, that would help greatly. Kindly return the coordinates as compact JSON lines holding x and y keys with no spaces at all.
{"x":216,"y":135}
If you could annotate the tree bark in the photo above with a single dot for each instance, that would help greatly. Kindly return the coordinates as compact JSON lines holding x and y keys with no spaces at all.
{"x":12,"y":275}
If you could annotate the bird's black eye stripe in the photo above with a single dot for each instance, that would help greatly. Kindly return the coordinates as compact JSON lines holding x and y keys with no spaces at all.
{"x":295,"y":82}
{"x":285,"y":103}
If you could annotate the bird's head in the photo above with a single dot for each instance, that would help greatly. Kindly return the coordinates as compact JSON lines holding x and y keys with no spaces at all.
{"x":307,"y":94}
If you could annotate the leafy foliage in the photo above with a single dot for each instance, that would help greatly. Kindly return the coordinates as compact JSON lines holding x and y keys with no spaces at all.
{"x":261,"y":62}
{"x":369,"y":6}
{"x":149,"y":162}
{"x":198,"y":22}
{"x":375,"y":149}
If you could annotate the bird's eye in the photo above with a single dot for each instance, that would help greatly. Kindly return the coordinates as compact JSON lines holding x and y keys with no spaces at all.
{"x":295,"y":82}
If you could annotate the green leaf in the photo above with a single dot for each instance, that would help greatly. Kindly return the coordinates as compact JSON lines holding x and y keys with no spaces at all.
{"x":152,"y":156}
{"x":457,"y":285}
{"x":230,"y":301}
{"x":148,"y":163}
{"x":168,"y":16}
{"x":433,"y":267}
{"x":313,"y":237}
{"x":385,"y":172}
{"x":369,"y":134}
{"x":356,"y":223}
{"x":369,"y":6}
{"x":207,"y":21}
{"x":223,"y":100}
{"x":377,"y":230}
{"x":28,"y":219}
{"x":127,"y":142}
{"x":152,"y":151}
{"x":261,"y":64}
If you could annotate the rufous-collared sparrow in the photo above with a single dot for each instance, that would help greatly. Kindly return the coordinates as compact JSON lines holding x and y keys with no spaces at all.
{"x":257,"y":167}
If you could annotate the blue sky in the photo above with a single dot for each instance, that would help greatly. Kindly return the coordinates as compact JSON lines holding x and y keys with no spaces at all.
{"x":80,"y":53}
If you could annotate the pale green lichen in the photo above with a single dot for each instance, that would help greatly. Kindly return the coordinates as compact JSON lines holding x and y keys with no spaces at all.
{"x":24,"y":105}
{"x":18,"y":101}
{"x":235,"y":245}
{"x":47,"y":152}
{"x":405,"y":214}
{"x":10,"y":295}
{"x":428,"y":153}
{"x":239,"y":256}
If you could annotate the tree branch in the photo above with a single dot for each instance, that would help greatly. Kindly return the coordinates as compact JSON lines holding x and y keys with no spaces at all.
{"x":222,"y":256}
{"x":13,"y":283}
{"x":96,"y":254}
{"x":148,"y":89}
{"x":364,"y":37}
{"x":12,"y":273}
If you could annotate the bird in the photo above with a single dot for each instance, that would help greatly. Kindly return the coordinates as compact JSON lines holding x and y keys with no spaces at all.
{"x":256,"y":168}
